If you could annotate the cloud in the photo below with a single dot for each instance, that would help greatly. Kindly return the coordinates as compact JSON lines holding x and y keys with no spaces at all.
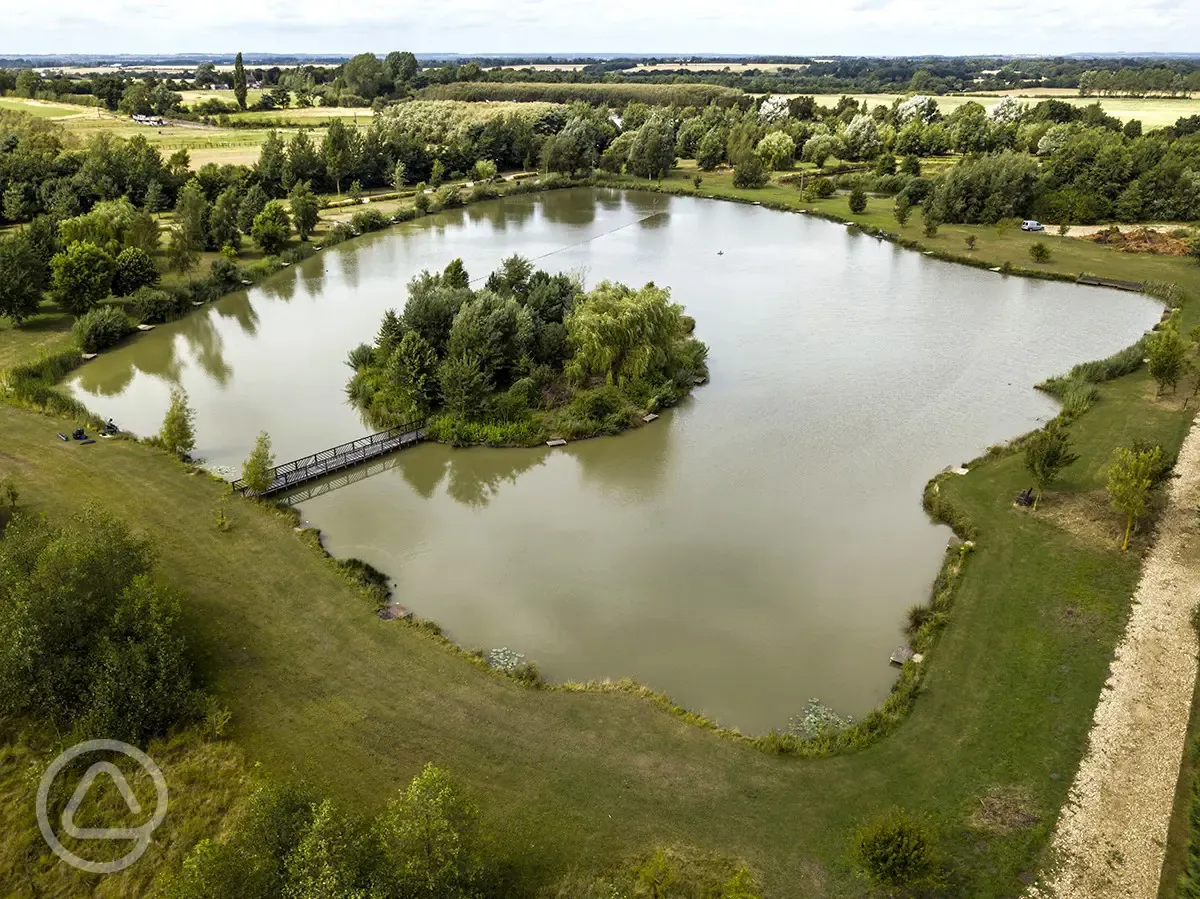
{"x":545,"y":26}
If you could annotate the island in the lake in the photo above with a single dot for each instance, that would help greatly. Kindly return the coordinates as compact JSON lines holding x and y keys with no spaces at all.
{"x":528,"y":357}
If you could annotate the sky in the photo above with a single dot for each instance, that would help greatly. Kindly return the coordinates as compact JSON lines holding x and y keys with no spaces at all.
{"x":796,"y":27}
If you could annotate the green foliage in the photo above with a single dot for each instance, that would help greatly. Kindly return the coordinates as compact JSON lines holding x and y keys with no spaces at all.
{"x":90,"y":640}
{"x":522,"y":359}
{"x":595,"y":94}
{"x":931,"y":223}
{"x":464,"y":385}
{"x":413,"y":372}
{"x":100,"y":328}
{"x":429,"y":837}
{"x":366,"y":220}
{"x":1039,"y":252}
{"x":258,"y":471}
{"x":1047,"y":455}
{"x":896,"y":851}
{"x":858,"y":200}
{"x":272,"y":227}
{"x":621,"y":334}
{"x":153,"y":306}
{"x":134,"y":269}
{"x":25,"y":277}
{"x":1131,"y":477}
{"x":750,"y":172}
{"x":177,"y":434}
{"x":1167,"y":355}
{"x":239,"y":81}
{"x":426,"y":844}
{"x":82,"y":277}
{"x":253,"y":202}
{"x":901,"y":209}
{"x":305,"y":209}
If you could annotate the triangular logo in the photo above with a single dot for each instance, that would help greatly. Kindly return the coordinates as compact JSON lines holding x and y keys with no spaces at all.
{"x":101,"y":833}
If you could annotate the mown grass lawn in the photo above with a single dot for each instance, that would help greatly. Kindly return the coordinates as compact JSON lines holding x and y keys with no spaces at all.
{"x":320,"y":688}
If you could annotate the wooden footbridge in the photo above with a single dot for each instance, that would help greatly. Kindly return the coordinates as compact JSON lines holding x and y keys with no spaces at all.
{"x":302,"y":471}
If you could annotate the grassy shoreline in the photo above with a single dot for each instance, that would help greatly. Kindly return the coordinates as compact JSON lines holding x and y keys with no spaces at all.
{"x":966,"y":704}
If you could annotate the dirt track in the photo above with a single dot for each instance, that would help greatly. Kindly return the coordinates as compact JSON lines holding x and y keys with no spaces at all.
{"x":1110,"y":839}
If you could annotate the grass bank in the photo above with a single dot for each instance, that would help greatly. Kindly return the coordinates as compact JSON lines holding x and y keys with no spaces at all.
{"x":587,"y":778}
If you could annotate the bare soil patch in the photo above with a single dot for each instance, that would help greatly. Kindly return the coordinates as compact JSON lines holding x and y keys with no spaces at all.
{"x":1141,"y":240}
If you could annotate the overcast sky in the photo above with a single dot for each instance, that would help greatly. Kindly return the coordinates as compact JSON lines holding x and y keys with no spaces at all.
{"x":797,"y":27}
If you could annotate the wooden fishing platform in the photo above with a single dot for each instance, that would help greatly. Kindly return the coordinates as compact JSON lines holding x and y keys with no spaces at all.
{"x":339,"y":458}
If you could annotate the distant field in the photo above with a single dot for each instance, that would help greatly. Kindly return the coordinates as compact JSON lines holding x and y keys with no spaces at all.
{"x":1153,"y":113}
{"x":311,"y":115}
{"x":548,"y":67}
{"x":190,"y":98}
{"x":44,"y":109}
{"x":714,"y":66}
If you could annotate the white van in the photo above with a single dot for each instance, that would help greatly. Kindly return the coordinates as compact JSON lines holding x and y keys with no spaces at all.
{"x":1031,"y":225}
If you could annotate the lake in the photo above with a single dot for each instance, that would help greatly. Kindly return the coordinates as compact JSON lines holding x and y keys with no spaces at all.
{"x":752,"y":548}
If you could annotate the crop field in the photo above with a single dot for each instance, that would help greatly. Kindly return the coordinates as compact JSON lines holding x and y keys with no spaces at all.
{"x":717,"y":66}
{"x":1153,"y":112}
{"x":191,"y":98}
{"x":45,"y":109}
{"x":305,"y":115}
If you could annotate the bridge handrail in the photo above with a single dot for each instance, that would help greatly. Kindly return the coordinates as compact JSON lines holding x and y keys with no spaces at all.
{"x":286,"y":469}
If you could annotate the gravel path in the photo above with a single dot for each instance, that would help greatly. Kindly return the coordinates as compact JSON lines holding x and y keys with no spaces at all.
{"x":1110,"y":839}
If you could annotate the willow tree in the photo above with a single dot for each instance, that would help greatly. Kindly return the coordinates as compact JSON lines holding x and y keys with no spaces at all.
{"x":623,"y":334}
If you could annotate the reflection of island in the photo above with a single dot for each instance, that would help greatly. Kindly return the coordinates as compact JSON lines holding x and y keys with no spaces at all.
{"x":633,"y":462}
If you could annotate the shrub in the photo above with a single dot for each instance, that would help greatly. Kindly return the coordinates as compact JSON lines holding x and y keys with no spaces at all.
{"x":750,"y":172}
{"x":101,"y":328}
{"x":823,"y":188}
{"x":449,"y":196}
{"x":932,"y":223}
{"x":896,"y":852}
{"x":858,"y":200}
{"x":970,"y":241}
{"x":421,"y":202}
{"x":1039,"y":252}
{"x":369,"y":220}
{"x":153,"y":306}
{"x":134,"y":269}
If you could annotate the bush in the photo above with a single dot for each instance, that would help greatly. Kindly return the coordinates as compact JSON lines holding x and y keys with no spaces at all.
{"x":369,"y":220}
{"x":1039,"y":252}
{"x":134,"y":269}
{"x":858,"y":200}
{"x":823,"y":188}
{"x":750,"y":172}
{"x":970,"y":241}
{"x":896,"y":852}
{"x":101,"y":328}
{"x":153,"y":306}
{"x":449,"y":196}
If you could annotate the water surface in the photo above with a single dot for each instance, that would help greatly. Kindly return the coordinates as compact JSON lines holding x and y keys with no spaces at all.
{"x":753,"y":548}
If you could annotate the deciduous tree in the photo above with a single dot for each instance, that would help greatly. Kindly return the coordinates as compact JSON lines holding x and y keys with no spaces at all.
{"x":258,"y":471}
{"x":272,"y":227}
{"x":82,"y":277}
{"x":178,"y":433}
{"x":1130,"y":480}
{"x":1047,"y":455}
{"x":305,"y":209}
